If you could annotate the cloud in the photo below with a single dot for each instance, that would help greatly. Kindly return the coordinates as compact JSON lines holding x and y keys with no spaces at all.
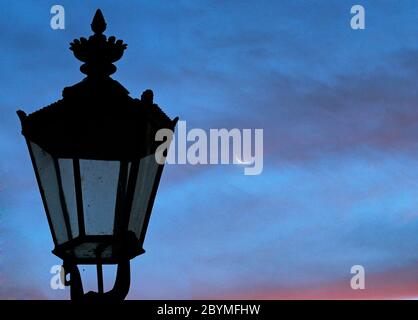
{"x":394,"y":284}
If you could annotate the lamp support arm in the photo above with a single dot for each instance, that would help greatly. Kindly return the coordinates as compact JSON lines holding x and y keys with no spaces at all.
{"x":118,"y":293}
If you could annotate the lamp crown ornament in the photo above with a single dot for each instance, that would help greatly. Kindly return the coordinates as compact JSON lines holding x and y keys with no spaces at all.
{"x":98,"y":52}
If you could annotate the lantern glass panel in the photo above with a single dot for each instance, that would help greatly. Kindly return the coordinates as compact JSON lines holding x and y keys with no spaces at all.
{"x":49,"y":184}
{"x":68,"y":187}
{"x":99,"y":182}
{"x":147,"y":173}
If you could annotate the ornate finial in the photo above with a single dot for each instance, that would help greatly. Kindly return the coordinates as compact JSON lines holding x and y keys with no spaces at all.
{"x":98,"y":53}
{"x":98,"y":25}
{"x":147,"y":97}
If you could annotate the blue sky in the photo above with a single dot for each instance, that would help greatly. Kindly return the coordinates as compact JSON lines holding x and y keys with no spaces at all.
{"x":339,"y":112}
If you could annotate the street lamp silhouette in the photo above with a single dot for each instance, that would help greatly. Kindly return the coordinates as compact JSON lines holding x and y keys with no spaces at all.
{"x":95,"y":161}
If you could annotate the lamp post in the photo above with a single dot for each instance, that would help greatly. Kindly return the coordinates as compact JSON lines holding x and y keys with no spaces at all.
{"x":93,"y":153}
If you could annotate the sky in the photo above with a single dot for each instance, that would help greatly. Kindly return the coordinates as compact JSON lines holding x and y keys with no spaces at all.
{"x":338,"y":108}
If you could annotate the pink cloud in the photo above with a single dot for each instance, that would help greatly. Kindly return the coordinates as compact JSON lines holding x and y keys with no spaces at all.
{"x":396,"y":284}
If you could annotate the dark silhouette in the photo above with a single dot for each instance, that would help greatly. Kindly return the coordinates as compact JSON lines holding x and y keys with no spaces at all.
{"x":74,"y":144}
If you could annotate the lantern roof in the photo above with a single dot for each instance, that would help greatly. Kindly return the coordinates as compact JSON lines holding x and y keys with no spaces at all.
{"x":97,"y":118}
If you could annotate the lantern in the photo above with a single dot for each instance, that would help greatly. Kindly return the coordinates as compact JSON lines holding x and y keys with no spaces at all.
{"x":96,"y":163}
